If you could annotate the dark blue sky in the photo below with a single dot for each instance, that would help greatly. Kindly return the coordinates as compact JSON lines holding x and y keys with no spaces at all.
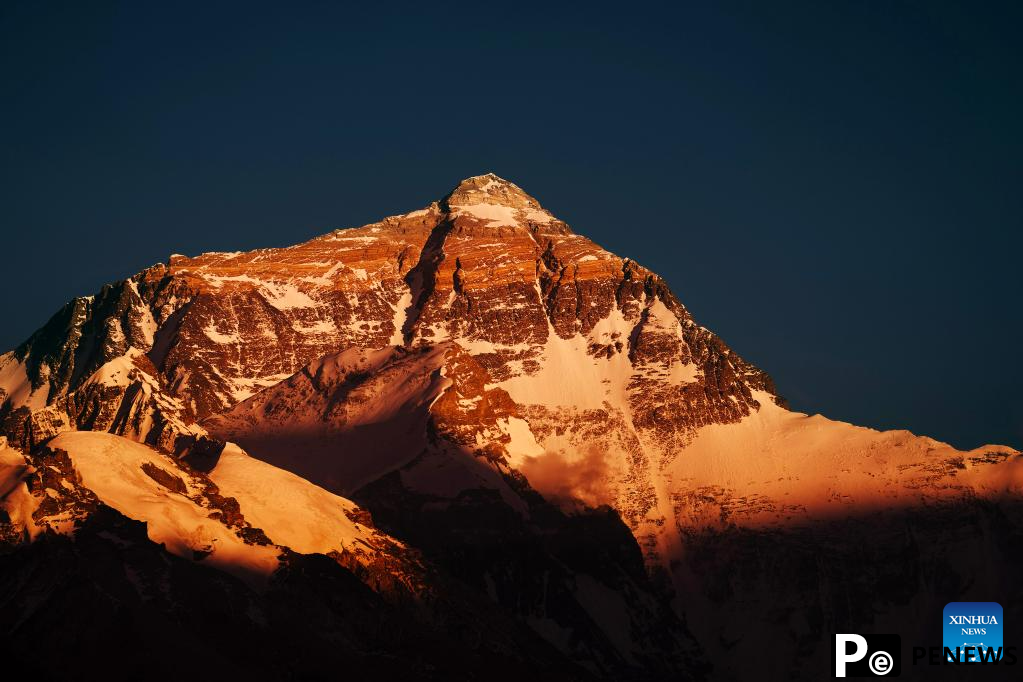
{"x":836,"y":188}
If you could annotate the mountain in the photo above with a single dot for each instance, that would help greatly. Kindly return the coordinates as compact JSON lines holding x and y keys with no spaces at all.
{"x":481,"y":416}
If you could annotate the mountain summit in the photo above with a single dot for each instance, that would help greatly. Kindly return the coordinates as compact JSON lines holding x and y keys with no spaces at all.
{"x":496,"y":202}
{"x":486,"y":407}
{"x":489,"y":189}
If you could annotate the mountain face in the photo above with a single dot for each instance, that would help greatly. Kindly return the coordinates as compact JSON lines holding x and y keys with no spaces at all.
{"x":474,"y":420}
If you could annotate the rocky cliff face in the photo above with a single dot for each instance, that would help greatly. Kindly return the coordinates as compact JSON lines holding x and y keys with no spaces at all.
{"x":576,"y":335}
{"x":543,"y":420}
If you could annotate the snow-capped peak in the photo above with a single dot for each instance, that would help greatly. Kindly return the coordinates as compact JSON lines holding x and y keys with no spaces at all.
{"x":491,"y":189}
{"x":495,"y":201}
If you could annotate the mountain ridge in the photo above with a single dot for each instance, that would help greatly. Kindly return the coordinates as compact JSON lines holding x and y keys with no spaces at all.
{"x":481,"y":379}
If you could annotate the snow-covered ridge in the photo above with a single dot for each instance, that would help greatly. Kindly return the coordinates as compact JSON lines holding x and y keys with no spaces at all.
{"x":184,"y":510}
{"x":291,"y":510}
{"x":147,"y":486}
{"x":16,"y":386}
{"x":496,"y":215}
{"x":15,"y":499}
{"x":781,"y":467}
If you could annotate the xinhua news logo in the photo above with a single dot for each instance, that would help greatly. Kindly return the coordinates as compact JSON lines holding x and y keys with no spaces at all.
{"x":868,"y":655}
{"x":972,"y":631}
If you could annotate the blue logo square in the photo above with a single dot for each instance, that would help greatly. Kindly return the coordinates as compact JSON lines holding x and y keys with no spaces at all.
{"x":976,"y":624}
